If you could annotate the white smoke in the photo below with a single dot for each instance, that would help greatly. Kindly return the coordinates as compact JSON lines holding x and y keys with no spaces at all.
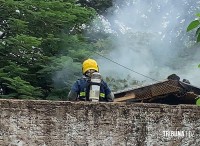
{"x":152,"y":40}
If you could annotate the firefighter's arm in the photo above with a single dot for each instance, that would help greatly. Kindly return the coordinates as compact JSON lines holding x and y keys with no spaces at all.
{"x":108,"y":92}
{"x":110,"y":97}
{"x":73,"y":94}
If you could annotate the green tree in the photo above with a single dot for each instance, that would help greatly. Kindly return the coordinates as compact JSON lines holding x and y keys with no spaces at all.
{"x":195,"y":25}
{"x":36,"y":37}
{"x":101,"y":6}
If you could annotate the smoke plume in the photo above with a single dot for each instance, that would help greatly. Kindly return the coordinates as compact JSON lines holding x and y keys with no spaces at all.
{"x":152,"y":40}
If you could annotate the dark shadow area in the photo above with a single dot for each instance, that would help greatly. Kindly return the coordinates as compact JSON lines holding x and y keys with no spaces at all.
{"x":172,"y":99}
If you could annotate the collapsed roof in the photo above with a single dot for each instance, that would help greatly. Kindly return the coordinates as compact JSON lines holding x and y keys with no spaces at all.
{"x":171,"y":91}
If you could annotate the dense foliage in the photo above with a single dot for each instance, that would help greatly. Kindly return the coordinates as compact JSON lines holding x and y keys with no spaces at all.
{"x":42,"y":46}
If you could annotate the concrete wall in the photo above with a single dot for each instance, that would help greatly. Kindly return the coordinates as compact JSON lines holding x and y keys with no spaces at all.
{"x":48,"y":123}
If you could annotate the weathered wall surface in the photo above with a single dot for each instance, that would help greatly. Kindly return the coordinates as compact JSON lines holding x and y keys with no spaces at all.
{"x":48,"y":123}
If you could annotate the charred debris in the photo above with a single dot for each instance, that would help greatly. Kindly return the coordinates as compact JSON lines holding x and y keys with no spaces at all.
{"x":171,"y":91}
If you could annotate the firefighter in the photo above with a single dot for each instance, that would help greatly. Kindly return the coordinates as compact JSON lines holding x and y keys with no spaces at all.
{"x":80,"y":90}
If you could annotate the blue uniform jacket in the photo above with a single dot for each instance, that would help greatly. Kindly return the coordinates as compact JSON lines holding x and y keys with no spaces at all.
{"x":81,"y":87}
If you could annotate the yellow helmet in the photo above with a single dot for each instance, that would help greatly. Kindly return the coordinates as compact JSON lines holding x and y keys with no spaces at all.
{"x":89,"y":64}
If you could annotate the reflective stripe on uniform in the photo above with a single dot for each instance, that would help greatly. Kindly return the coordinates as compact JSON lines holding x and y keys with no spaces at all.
{"x":82,"y":94}
{"x":102,"y":95}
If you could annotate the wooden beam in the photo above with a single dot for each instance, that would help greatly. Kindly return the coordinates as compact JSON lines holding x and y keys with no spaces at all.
{"x":125,"y":98}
